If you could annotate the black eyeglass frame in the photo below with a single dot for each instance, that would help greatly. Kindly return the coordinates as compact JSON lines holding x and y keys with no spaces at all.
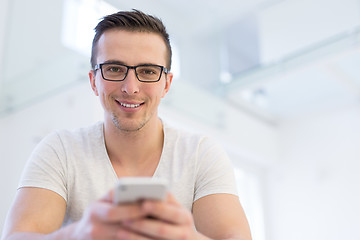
{"x":99,"y":66}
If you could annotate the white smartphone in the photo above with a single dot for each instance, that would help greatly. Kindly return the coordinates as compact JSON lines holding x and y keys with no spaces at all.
{"x":133,"y":189}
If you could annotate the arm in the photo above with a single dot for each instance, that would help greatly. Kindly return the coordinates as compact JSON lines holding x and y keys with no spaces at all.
{"x":220,"y":216}
{"x":217,"y":216}
{"x":35,"y":210}
{"x":37,"y":214}
{"x":217,"y":210}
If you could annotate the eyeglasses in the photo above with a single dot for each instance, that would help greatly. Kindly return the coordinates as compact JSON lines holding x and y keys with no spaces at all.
{"x":118,"y":72}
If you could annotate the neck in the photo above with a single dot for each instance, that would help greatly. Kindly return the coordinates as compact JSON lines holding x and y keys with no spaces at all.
{"x":135,"y":152}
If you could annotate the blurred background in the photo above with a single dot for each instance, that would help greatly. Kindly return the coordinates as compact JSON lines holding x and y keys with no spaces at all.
{"x":277,"y":82}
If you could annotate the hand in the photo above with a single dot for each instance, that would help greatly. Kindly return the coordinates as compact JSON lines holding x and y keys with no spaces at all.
{"x":166,"y":220}
{"x":104,"y":220}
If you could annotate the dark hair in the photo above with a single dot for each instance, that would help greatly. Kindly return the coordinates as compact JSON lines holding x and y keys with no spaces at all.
{"x":134,"y":21}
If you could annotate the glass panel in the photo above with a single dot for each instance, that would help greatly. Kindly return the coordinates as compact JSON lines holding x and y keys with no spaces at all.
{"x":41,"y":55}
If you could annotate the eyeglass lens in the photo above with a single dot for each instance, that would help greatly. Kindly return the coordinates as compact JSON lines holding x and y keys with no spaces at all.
{"x":118,"y":72}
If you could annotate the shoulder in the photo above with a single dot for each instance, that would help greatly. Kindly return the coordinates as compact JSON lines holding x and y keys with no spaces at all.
{"x":195,"y":141}
{"x":79,"y":134}
{"x":176,"y":134}
{"x":69,"y":139}
{"x":87,"y":131}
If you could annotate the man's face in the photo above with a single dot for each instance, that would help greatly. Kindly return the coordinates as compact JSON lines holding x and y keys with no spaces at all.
{"x":130,"y":104}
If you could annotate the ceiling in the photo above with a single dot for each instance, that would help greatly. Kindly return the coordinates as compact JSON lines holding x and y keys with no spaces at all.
{"x":283,"y":58}
{"x":308,"y":52}
{"x":321,"y":79}
{"x":194,"y":16}
{"x":310,"y":60}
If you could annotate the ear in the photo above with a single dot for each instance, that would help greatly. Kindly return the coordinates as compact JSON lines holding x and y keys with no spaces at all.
{"x":92,"y":82}
{"x":168,"y":81}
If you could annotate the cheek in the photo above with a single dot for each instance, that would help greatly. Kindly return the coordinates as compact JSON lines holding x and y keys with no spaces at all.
{"x":160,"y":93}
{"x":106,"y":88}
{"x":163,"y":90}
{"x":104,"y":94}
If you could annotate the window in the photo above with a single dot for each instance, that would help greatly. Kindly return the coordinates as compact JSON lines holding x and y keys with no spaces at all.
{"x":79,"y":21}
{"x":249,"y":189}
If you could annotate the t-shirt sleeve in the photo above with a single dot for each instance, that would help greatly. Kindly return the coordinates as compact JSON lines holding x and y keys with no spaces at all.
{"x":46,"y":166}
{"x":215,"y":173}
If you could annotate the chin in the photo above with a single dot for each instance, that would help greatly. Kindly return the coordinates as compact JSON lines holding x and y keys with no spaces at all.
{"x":129,"y":125}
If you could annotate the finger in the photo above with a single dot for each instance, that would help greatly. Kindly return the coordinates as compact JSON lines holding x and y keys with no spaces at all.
{"x":102,"y":231}
{"x":108,"y":212}
{"x":159,"y":230}
{"x":129,"y":234}
{"x":108,"y":197}
{"x":114,"y":231}
{"x":167,"y":212}
{"x":105,"y":210}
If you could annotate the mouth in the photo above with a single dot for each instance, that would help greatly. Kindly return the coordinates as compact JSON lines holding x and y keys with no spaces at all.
{"x":129,"y":105}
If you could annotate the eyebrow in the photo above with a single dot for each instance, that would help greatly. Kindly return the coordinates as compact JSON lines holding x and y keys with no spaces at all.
{"x":114,"y":61}
{"x":123,"y":63}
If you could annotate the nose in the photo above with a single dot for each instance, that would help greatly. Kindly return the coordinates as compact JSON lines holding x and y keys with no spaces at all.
{"x":130,"y":84}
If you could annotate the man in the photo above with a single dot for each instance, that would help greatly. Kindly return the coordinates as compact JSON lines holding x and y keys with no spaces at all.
{"x":62,"y":194}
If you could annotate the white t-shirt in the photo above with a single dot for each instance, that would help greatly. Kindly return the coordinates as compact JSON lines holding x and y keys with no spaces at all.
{"x":75,"y":165}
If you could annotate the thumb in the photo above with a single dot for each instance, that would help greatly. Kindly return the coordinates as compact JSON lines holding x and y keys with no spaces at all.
{"x":108,"y":197}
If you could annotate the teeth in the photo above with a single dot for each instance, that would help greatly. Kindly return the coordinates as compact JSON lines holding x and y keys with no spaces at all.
{"x":130,"y":105}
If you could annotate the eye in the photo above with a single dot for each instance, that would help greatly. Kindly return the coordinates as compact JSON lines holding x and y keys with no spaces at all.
{"x":115,"y":69}
{"x":148,"y":70}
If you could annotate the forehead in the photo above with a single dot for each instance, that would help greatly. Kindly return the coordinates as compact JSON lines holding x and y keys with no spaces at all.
{"x":131,"y":48}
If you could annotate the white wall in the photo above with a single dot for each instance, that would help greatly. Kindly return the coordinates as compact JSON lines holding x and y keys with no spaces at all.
{"x":21,"y":131}
{"x":243,"y":133}
{"x":77,"y":107}
{"x":3,"y":21}
{"x":313,"y":193}
{"x":292,"y":26}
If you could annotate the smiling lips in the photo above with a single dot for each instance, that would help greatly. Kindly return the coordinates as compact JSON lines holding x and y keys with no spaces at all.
{"x":129,"y":105}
